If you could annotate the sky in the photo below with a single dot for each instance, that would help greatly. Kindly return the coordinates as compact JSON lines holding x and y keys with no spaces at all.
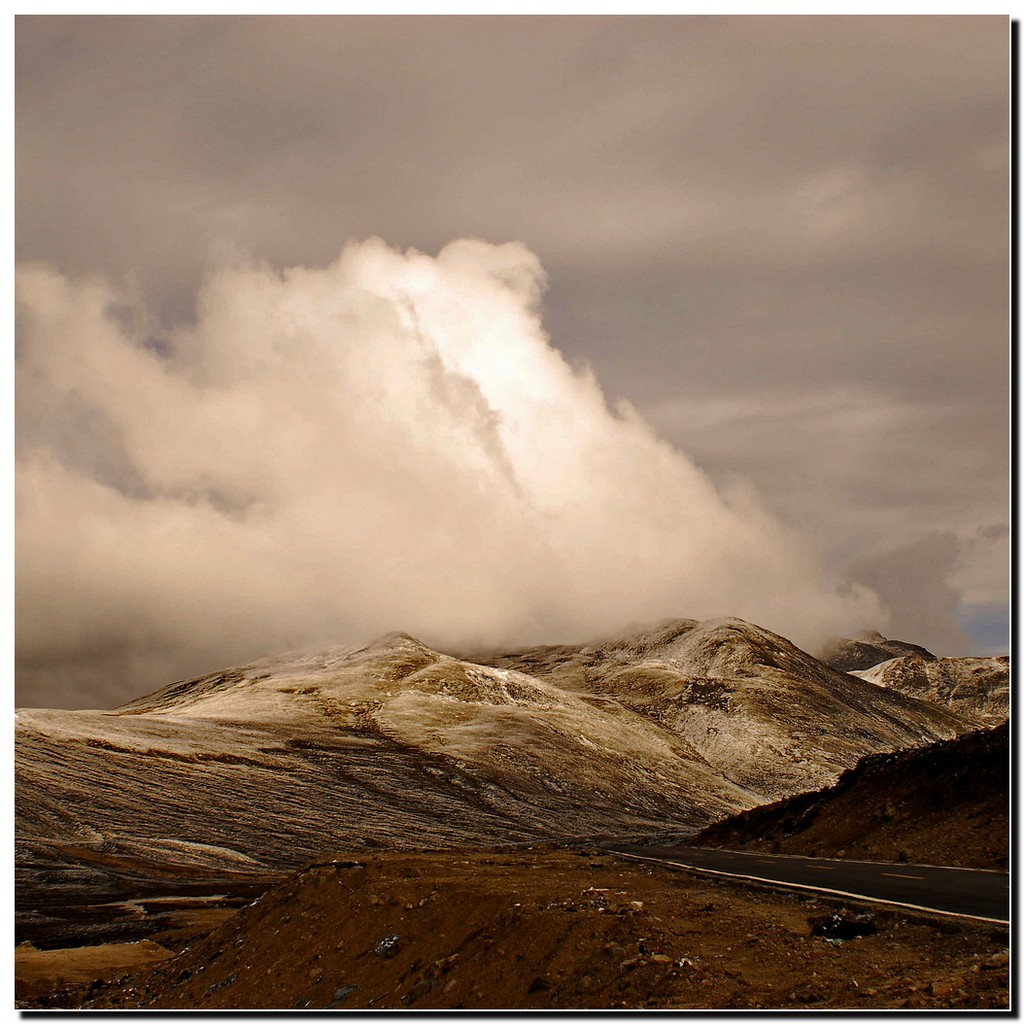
{"x":504,"y":330}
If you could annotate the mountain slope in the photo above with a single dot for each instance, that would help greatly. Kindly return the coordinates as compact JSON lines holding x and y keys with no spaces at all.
{"x":946,"y":803}
{"x":258,"y":769}
{"x":765,"y":714}
{"x":976,"y":688}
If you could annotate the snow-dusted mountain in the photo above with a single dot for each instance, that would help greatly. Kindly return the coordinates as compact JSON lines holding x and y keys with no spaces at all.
{"x":765,"y":714}
{"x":267,"y":766}
{"x":975,"y":688}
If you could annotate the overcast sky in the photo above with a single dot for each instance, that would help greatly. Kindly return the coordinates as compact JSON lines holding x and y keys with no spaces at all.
{"x":707,"y":316}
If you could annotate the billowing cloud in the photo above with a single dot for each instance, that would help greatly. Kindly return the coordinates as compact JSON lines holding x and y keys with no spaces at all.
{"x":784,"y":240}
{"x":388,"y":442}
{"x":915,"y":581}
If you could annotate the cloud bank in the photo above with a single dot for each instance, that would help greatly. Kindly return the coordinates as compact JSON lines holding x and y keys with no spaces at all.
{"x":325,"y":454}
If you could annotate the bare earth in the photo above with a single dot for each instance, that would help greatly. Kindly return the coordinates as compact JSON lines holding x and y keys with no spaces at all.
{"x":38,"y":971}
{"x":541,"y":929}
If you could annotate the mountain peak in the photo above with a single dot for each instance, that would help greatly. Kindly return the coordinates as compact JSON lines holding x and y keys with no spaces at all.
{"x":867,"y":649}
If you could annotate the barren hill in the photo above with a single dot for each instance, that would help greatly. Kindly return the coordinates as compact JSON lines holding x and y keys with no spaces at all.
{"x":256,"y":770}
{"x":946,"y":803}
{"x":764,"y":713}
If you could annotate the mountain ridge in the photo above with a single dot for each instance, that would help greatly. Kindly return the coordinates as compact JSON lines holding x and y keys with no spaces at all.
{"x":866,"y":649}
{"x":978,"y":688}
{"x":394,"y":744}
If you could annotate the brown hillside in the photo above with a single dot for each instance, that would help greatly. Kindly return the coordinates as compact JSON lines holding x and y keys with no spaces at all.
{"x":947,"y":803}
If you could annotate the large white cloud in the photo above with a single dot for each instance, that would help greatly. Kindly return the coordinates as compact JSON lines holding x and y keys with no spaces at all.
{"x":389,"y":442}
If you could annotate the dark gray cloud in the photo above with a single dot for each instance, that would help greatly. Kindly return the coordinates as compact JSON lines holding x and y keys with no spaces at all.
{"x":914,"y":581}
{"x":783,"y":239}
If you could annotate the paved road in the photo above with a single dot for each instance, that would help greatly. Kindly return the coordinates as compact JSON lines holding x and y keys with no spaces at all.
{"x":961,"y":891}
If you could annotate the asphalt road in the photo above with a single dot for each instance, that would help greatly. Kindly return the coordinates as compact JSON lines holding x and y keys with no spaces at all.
{"x":962,"y":891}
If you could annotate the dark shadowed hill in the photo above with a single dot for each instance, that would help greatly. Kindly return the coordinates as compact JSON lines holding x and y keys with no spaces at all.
{"x":946,"y":803}
{"x":854,"y":654}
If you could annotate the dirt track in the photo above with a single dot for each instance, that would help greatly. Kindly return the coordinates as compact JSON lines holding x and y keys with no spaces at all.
{"x":555,"y":929}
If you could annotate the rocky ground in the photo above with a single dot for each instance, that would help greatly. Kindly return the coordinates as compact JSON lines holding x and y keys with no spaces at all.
{"x":541,"y":929}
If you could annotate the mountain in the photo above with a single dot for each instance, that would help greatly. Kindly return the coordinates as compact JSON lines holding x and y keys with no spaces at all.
{"x":946,"y":803}
{"x":763,"y":713}
{"x":869,"y":648}
{"x":976,"y":688}
{"x":256,"y":770}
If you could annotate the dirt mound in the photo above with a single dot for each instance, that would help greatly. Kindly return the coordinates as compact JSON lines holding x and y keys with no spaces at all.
{"x":947,"y":803}
{"x":554,"y":929}
{"x":37,"y":971}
